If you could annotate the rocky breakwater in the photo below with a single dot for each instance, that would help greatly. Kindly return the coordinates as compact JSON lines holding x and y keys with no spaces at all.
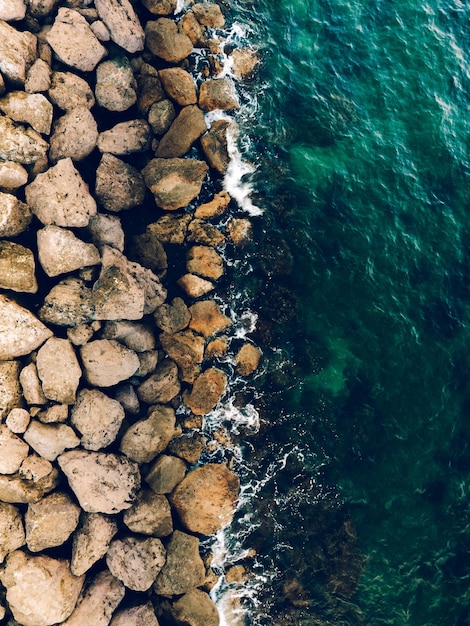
{"x":113,"y":347}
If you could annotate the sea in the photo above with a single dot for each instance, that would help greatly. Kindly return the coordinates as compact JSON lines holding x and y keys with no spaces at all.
{"x":352,"y":439}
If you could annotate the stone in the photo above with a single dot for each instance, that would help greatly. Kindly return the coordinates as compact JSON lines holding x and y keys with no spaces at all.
{"x":149,"y":88}
{"x":15,"y":489}
{"x":107,"y":362}
{"x":17,"y":53}
{"x":125,"y":138}
{"x":50,"y":440}
{"x":218,"y":93}
{"x":106,"y":230}
{"x":38,"y":77}
{"x":55,"y":414}
{"x":115,"y":84}
{"x":134,"y":335}
{"x":208,"y":388}
{"x":122,"y":22}
{"x":31,"y":385}
{"x":148,"y":437}
{"x":204,"y":261}
{"x":142,"y":615}
{"x":161,"y":386}
{"x":201,"y":232}
{"x":19,"y":143}
{"x":41,"y":591}
{"x":20,"y":331}
{"x":13,"y":451}
{"x":188,"y":446}
{"x":186,"y":129}
{"x":187,"y":350}
{"x":126,"y":395}
{"x":167,"y":472}
{"x":100,"y":30}
{"x":80,"y":335}
{"x":149,"y":515}
{"x":68,"y":304}
{"x":239,"y":231}
{"x":208,"y":14}
{"x":97,"y":604}
{"x":33,"y":109}
{"x":17,"y":268}
{"x":244,"y":62}
{"x":216,"y":348}
{"x":194,"y":286}
{"x":15,"y":216}
{"x":91,"y":542}
{"x":215,"y":147}
{"x":195,"y":608}
{"x":183,"y":569}
{"x":12,"y":10}
{"x":160,"y":7}
{"x":136,"y":562}
{"x":10,"y":390}
{"x":147,"y":249}
{"x":75,"y":135}
{"x":172,"y":317}
{"x":247,"y":359}
{"x":215,"y":207}
{"x":119,"y":186}
{"x":97,"y":417}
{"x":12,"y":535}
{"x":196,"y":32}
{"x":102,"y":483}
{"x":18,"y":420}
{"x":161,"y":115}
{"x":164,"y":40}
{"x":60,"y":251}
{"x":50,"y":522}
{"x":61,"y":197}
{"x":68,"y":91}
{"x":207,"y":318}
{"x":74,"y":42}
{"x":58,"y":370}
{"x":179,"y":85}
{"x":170,"y":228}
{"x":41,"y":8}
{"x":174,"y":182}
{"x":12,"y":176}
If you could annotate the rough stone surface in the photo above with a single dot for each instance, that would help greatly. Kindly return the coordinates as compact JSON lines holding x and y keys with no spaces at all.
{"x":57,"y":413}
{"x":161,"y":386}
{"x":122,"y":23}
{"x":125,"y":138}
{"x":188,"y":446}
{"x":207,"y":318}
{"x":91,"y":542}
{"x":244,"y":62}
{"x":33,"y":109}
{"x":59,"y":370}
{"x":204,"y":261}
{"x":149,"y":515}
{"x":50,"y":440}
{"x":108,"y":362}
{"x":38,"y":77}
{"x":17,"y":268}
{"x":215,"y":146}
{"x":106,"y":230}
{"x":195,"y":608}
{"x":183,"y":569}
{"x":20,"y":331}
{"x":18,"y":420}
{"x":147,"y":249}
{"x":167,"y":472}
{"x":161,"y":115}
{"x":16,"y":489}
{"x":142,"y":615}
{"x":172,"y":317}
{"x":17,"y":52}
{"x":179,"y":85}
{"x":218,"y":93}
{"x":165,"y":41}
{"x":102,"y":483}
{"x":149,"y":88}
{"x":195,"y":286}
{"x":20,"y":144}
{"x":50,"y":522}
{"x":207,"y":391}
{"x":97,"y":417}
{"x":31,"y":385}
{"x":196,"y":32}
{"x":97,"y":604}
{"x":136,"y":336}
{"x":115,"y":84}
{"x":75,"y":135}
{"x":174,"y":182}
{"x":119,"y":186}
{"x":247,"y":359}
{"x":186,"y":349}
{"x":68,"y":91}
{"x":137,"y":562}
{"x":15,"y":215}
{"x":13,"y":451}
{"x":68,"y":304}
{"x":12,"y":10}
{"x":239,"y":231}
{"x":60,"y":251}
{"x":170,"y":228}
{"x":188,"y":126}
{"x":10,"y":389}
{"x":12,"y":535}
{"x":12,"y":176}
{"x":146,"y":438}
{"x":208,"y":14}
{"x":201,"y":232}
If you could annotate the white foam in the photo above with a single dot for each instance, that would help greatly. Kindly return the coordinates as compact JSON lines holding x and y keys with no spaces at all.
{"x":239,"y":189}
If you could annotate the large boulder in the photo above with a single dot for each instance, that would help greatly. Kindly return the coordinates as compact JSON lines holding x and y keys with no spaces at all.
{"x":195,"y":608}
{"x":97,"y":417}
{"x":172,"y":316}
{"x":13,"y":451}
{"x":218,"y":93}
{"x":122,"y":23}
{"x":115,"y":84}
{"x":207,"y":318}
{"x":186,"y":349}
{"x":50,"y":440}
{"x":179,"y":85}
{"x":99,"y":601}
{"x":164,"y":40}
{"x":208,"y":388}
{"x":149,"y":515}
{"x":60,"y":251}
{"x":17,"y":268}
{"x":215,"y":145}
{"x":50,"y":522}
{"x":74,"y":135}
{"x":183,"y":569}
{"x":204,"y":261}
{"x":32,"y":108}
{"x":166,"y":473}
{"x":68,"y":304}
{"x":20,"y":331}
{"x":161,"y":386}
{"x":146,"y":438}
{"x":142,"y":615}
{"x":125,"y":138}
{"x":68,"y":91}
{"x":174,"y":182}
{"x":189,"y":125}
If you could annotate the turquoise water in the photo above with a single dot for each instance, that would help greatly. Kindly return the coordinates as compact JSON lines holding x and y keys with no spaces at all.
{"x":362,"y":285}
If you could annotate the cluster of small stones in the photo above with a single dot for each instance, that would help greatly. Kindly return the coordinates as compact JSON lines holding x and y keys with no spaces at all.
{"x":103,"y":498}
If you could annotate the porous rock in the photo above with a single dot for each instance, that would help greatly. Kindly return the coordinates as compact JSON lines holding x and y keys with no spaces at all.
{"x":186,"y":349}
{"x":12,"y":10}
{"x":13,"y":451}
{"x":38,"y":77}
{"x":15,"y":215}
{"x":215,"y":146}
{"x":215,"y":207}
{"x":142,"y":615}
{"x":194,"y":286}
{"x":61,"y":251}
{"x":106,"y":230}
{"x":122,"y":23}
{"x":136,"y":336}
{"x":207,"y":390}
{"x":97,"y":417}
{"x":20,"y":331}
{"x":149,"y":515}
{"x":173,"y":316}
{"x":201,"y":232}
{"x":10,"y":389}
{"x":16,"y":489}
{"x":174,"y":182}
{"x":179,"y":85}
{"x":125,"y":138}
{"x":97,"y":604}
{"x":12,"y":175}
{"x":59,"y":370}
{"x":115,"y":84}
{"x":207,"y":318}
{"x":167,"y":472}
{"x":137,"y":562}
{"x":146,"y":438}
{"x":19,"y":143}
{"x":188,"y":446}
{"x":17,"y":268}
{"x":147,"y":249}
{"x":161,"y":115}
{"x":197,"y":33}
{"x":239,"y":231}
{"x":75,"y":135}
{"x":33,"y":109}
{"x":31,"y":385}
{"x":195,"y":608}
{"x":68,"y":304}
{"x":119,"y":186}
{"x":12,"y":535}
{"x":183,"y":569}
{"x":108,"y":362}
{"x":170,"y":228}
{"x":149,"y":88}
{"x":50,"y":440}
{"x":17,"y":52}
{"x":68,"y":91}
{"x":218,"y":93}
{"x":188,"y":126}
{"x":91,"y":541}
{"x":50,"y":522}
{"x":209,"y":14}
{"x":247,"y":359}
{"x":164,"y":40}
{"x":161,"y":386}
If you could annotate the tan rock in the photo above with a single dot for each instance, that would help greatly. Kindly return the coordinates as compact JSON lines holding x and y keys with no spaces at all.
{"x":98,"y":603}
{"x":13,"y":451}
{"x":179,"y":85}
{"x":161,"y":115}
{"x":17,"y":52}
{"x":174,"y":182}
{"x":91,"y":542}
{"x":68,"y":304}
{"x":15,"y":215}
{"x":188,"y":446}
{"x":69,"y":91}
{"x":183,"y":569}
{"x":50,"y":522}
{"x":74,"y":136}
{"x":170,"y":228}
{"x":215,"y":146}
{"x":38,"y":77}
{"x":239,"y":231}
{"x":125,"y":138}
{"x":55,"y":414}
{"x":207,"y":318}
{"x":60,"y":251}
{"x":122,"y":23}
{"x":80,"y":335}
{"x":218,"y":93}
{"x":204,"y":261}
{"x":148,"y":437}
{"x":12,"y":175}
{"x":195,"y":286}
{"x":208,"y":14}
{"x":244,"y":62}
{"x":50,"y":440}
{"x":195,"y":608}
{"x":149,"y":515}
{"x":33,"y":109}
{"x":186,"y":349}
{"x":20,"y":144}
{"x":186,"y":129}
{"x":106,"y":230}
{"x":161,"y":386}
{"x":59,"y":370}
{"x":10,"y":391}
{"x":17,"y":268}
{"x":172,"y":317}
{"x":149,"y":88}
{"x":12,"y":535}
{"x":196,"y":32}
{"x":31,"y":385}
{"x":201,"y":232}
{"x":208,"y":388}
{"x":142,"y":615}
{"x":137,"y":562}
{"x":20,"y":331}
{"x":119,"y":186}
{"x":164,"y":40}
{"x":100,"y":30}
{"x":247,"y":359}
{"x":136,"y":336}
{"x":15,"y":489}
{"x":216,"y":348}
{"x":167,"y":472}
{"x":107,"y":362}
{"x":115,"y":84}
{"x":18,"y":420}
{"x":217,"y":206}
{"x":160,"y":7}
{"x":97,"y":417}
{"x":12,"y":10}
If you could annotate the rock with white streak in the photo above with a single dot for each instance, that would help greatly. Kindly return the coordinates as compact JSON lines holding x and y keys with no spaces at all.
{"x":19,"y":143}
{"x":31,"y":385}
{"x":91,"y":542}
{"x":149,"y":515}
{"x":10,"y":389}
{"x":119,"y":186}
{"x":20,"y":331}
{"x":17,"y":268}
{"x":50,"y":522}
{"x":125,"y":138}
{"x":15,"y":215}
{"x":32,"y":108}
{"x":68,"y":91}
{"x":50,"y":440}
{"x":98,"y":603}
{"x":13,"y":451}
{"x":12,"y":175}
{"x":97,"y":417}
{"x":146,"y":438}
{"x":115,"y":84}
{"x":74,"y":135}
{"x":12,"y":535}
{"x":122,"y":23}
{"x":60,"y":251}
{"x":17,"y":52}
{"x":38,"y":78}
{"x":137,"y":562}
{"x":12,"y":10}
{"x":106,"y":230}
{"x":142,"y":615}
{"x":59,"y":370}
{"x":108,"y":362}
{"x":183,"y":569}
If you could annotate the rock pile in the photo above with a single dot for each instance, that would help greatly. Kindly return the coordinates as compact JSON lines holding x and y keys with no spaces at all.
{"x":106,"y":161}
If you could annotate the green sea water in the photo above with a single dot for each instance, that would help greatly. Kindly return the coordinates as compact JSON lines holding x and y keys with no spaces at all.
{"x":361,"y":141}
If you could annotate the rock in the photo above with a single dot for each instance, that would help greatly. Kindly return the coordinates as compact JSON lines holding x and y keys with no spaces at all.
{"x":207,"y":318}
{"x":162,"y":386}
{"x":15,"y":489}
{"x":119,"y":186}
{"x":148,"y":437}
{"x":98,"y":603}
{"x":196,"y":32}
{"x":201,"y":232}
{"x":188,"y":126}
{"x":39,"y":471}
{"x":31,"y":385}
{"x":244,"y":62}
{"x":172,"y":317}
{"x":247,"y":359}
{"x":137,"y":562}
{"x":97,"y":417}
{"x":69,"y":91}
{"x":50,"y":522}
{"x":61,"y":197}
{"x":183,"y":569}
{"x":161,"y":115}
{"x":188,"y":446}
{"x":164,"y":40}
{"x":38,"y":77}
{"x":12,"y":10}
{"x":15,"y":215}
{"x":167,"y":472}
{"x":55,"y":414}
{"x":20,"y":331}
{"x":218,"y":93}
{"x":239,"y":231}
{"x":122,"y":23}
{"x":107,"y":362}
{"x":91,"y":542}
{"x":149,"y":88}
{"x":68,"y":304}
{"x":126,"y":395}
{"x":100,"y":31}
{"x":194,"y":286}
{"x":18,"y":420}
{"x":17,"y":268}
{"x":17,"y":53}
{"x":216,"y":348}
{"x":195,"y":608}
{"x":41,"y":8}
{"x":160,"y":7}
{"x":186,"y":349}
{"x":207,"y":391}
{"x":215,"y":147}
{"x":115,"y":84}
{"x":12,"y":176}
{"x":58,"y":370}
{"x":135,"y":336}
{"x":208,"y":14}
{"x":74,"y":42}
{"x":142,"y":615}
{"x":174,"y":182}
{"x":147,"y":250}
{"x":149,"y":515}
{"x":20,"y":144}
{"x":217,"y":206}
{"x":102,"y":483}
{"x":179,"y":85}
{"x":75,"y":135}
{"x":170,"y":228}
{"x":34,"y":109}
{"x":13,"y":451}
{"x":106,"y":230}
{"x":10,"y":391}
{"x":41,"y":591}
{"x":125,"y":138}
{"x":12,"y":534}
{"x":50,"y":440}
{"x":60,"y":251}
{"x":80,"y":335}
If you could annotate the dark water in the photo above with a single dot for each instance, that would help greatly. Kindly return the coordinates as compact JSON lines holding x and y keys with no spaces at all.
{"x":361,"y":280}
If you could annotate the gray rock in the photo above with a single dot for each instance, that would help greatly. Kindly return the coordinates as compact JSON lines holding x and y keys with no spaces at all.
{"x":170,"y":228}
{"x":20,"y":144}
{"x":161,"y":115}
{"x":149,"y":515}
{"x":136,"y":336}
{"x":97,"y":417}
{"x":183,"y":569}
{"x":162,"y":386}
{"x":91,"y":541}
{"x":20,"y":331}
{"x":215,"y":147}
{"x":106,"y":230}
{"x":142,"y":615}
{"x":119,"y":186}
{"x":60,"y":251}
{"x":17,"y":52}
{"x":174,"y":182}
{"x":17,"y":268}
{"x":50,"y":522}
{"x":164,"y":40}
{"x":98,"y":603}
{"x":58,"y":370}
{"x":167,"y":472}
{"x":115,"y":84}
{"x":69,"y":91}
{"x":125,"y":138}
{"x":50,"y":440}
{"x":188,"y":126}
{"x":146,"y":438}
{"x":122,"y":23}
{"x":108,"y":362}
{"x":12,"y":535}
{"x":75,"y":135}
{"x":33,"y":109}
{"x":147,"y":249}
{"x":137,"y":562}
{"x":172,"y":317}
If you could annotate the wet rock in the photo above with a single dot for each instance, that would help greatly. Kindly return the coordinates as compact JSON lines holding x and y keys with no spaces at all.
{"x":174,"y":182}
{"x":172,"y":317}
{"x":12,"y":10}
{"x":183,"y":569}
{"x":217,"y":206}
{"x":106,"y":230}
{"x":208,"y":14}
{"x":188,"y":126}
{"x":31,"y":385}
{"x":119,"y":186}
{"x":12,"y":535}
{"x":98,"y":603}
{"x":61,"y":197}
{"x":149,"y":515}
{"x":125,"y":138}
{"x":162,"y":386}
{"x":149,"y":251}
{"x":167,"y":472}
{"x":97,"y":417}
{"x":13,"y":451}
{"x":147,"y":437}
{"x":196,"y":32}
{"x":68,"y":304}
{"x":38,"y":77}
{"x":136,"y":562}
{"x":216,"y":348}
{"x":218,"y":93}
{"x":20,"y":144}
{"x":15,"y":216}
{"x":107,"y":362}
{"x":207,"y":318}
{"x":247,"y":359}
{"x":239,"y":231}
{"x":142,"y":615}
{"x":161,"y":115}
{"x":75,"y":135}
{"x":188,"y":446}
{"x":215,"y":147}
{"x":201,"y":232}
{"x":204,"y":261}
{"x":194,"y":286}
{"x":244,"y":62}
{"x":68,"y":91}
{"x":91,"y":542}
{"x":50,"y":522}
{"x":74,"y":42}
{"x":164,"y":40}
{"x":18,"y":420}
{"x":12,"y":175}
{"x":33,"y":109}
{"x":60,"y":251}
{"x":179,"y":85}
{"x":186,"y":349}
{"x":17,"y":268}
{"x":50,"y":440}
{"x":115,"y":84}
{"x":102,"y":483}
{"x":17,"y":52}
{"x":20,"y":331}
{"x":170,"y":228}
{"x":195,"y":608}
{"x":41,"y":591}
{"x":206,"y":498}
{"x":136,"y":336}
{"x":58,"y":370}
{"x":122,"y":23}
{"x":208,"y":388}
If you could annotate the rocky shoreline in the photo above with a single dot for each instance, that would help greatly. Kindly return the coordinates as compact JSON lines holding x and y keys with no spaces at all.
{"x":114,"y":343}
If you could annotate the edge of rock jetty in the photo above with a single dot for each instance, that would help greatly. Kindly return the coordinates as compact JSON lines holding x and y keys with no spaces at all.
{"x":113,"y":342}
